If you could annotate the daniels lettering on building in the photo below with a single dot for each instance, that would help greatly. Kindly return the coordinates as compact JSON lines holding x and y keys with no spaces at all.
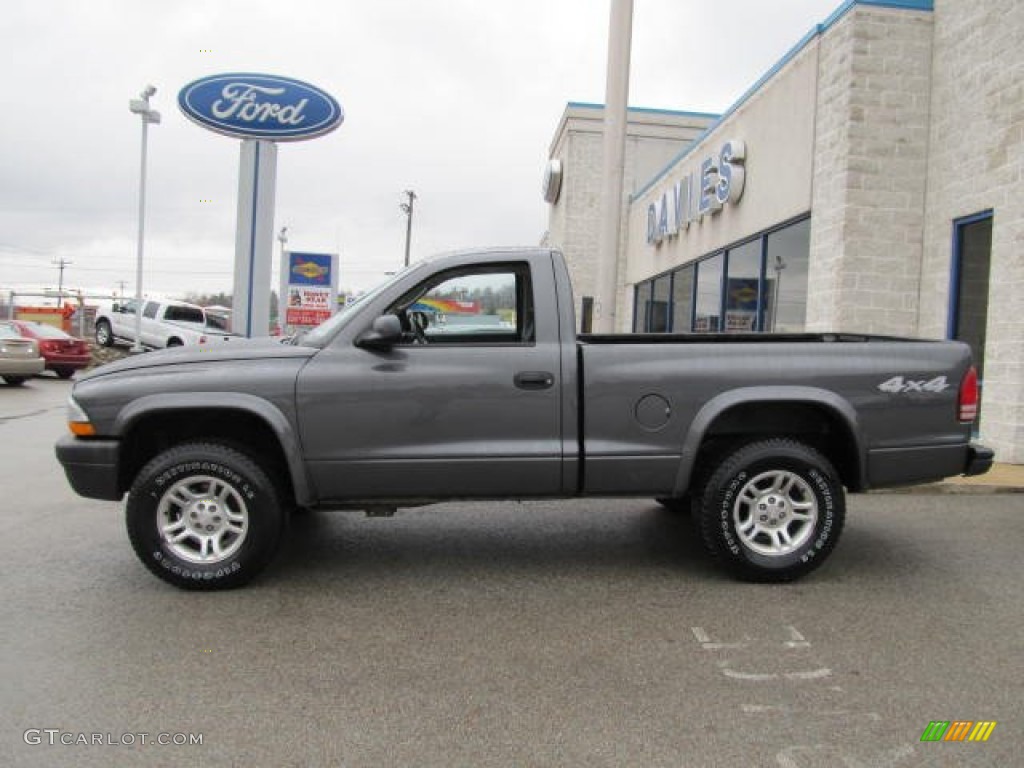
{"x":254,"y":106}
{"x":719,"y":180}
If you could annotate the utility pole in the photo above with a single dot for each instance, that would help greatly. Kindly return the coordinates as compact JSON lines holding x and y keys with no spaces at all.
{"x":61,"y":264}
{"x":407,"y":209}
{"x":121,"y":284}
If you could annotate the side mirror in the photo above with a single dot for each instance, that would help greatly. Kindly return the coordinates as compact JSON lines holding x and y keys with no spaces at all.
{"x":385,"y":332}
{"x":115,"y":307}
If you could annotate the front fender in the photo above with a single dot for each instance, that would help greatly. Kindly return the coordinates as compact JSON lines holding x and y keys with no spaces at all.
{"x":266,"y":411}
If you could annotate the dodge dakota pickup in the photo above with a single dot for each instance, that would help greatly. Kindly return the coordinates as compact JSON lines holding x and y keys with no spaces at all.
{"x":463,"y":378}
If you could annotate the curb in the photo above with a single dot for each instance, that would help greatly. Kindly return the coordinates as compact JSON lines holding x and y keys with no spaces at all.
{"x":952,"y":489}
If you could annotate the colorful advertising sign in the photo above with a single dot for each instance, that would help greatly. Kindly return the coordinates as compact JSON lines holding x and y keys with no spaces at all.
{"x":310,"y":289}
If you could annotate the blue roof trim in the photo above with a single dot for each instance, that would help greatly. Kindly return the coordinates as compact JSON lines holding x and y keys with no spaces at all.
{"x":816,"y":31}
{"x":645,"y":110}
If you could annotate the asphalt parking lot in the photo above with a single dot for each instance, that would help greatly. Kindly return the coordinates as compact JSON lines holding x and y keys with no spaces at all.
{"x":589,"y":633}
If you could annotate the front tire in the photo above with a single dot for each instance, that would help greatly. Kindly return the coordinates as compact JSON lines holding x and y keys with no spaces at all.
{"x":204,"y":516}
{"x":14,"y":381}
{"x":104,"y":335}
{"x":772,"y":511}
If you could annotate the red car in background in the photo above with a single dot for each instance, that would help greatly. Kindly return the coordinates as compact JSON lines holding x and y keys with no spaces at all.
{"x":64,"y":354}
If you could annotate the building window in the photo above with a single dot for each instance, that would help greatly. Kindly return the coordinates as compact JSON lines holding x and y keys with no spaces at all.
{"x":709,"y":295}
{"x":759,"y":285}
{"x":785,"y":292}
{"x":682,"y":299}
{"x":743,"y":288}
{"x":658,"y":319}
{"x":641,"y":306}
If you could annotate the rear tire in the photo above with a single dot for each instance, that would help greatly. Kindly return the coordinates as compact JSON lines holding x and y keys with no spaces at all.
{"x":104,"y":335}
{"x":772,"y":510}
{"x":65,"y":373}
{"x":15,"y":381}
{"x":204,"y":516}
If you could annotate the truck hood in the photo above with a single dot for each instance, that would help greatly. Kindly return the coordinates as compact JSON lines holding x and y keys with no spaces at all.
{"x":238,"y":349}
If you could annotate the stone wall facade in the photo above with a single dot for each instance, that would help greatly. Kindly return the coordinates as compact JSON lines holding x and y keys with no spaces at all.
{"x":870,"y":172}
{"x":976,"y":164}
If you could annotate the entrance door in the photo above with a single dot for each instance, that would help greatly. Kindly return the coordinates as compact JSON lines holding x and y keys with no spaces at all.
{"x":968,"y":307}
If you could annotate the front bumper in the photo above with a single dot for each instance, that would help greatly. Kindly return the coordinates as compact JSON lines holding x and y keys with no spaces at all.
{"x":92,"y":466}
{"x":979,"y":459}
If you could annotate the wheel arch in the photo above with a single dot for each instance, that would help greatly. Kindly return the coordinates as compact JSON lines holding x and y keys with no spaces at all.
{"x":154,"y":423}
{"x":816,"y":416}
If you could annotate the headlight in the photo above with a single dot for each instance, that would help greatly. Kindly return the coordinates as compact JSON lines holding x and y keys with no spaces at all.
{"x":78,"y":422}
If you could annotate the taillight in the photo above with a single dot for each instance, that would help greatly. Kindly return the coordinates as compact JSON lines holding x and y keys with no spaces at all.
{"x":48,"y":346}
{"x":967,"y":405}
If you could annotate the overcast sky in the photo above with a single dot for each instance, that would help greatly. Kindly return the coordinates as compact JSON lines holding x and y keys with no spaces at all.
{"x":456,"y":99}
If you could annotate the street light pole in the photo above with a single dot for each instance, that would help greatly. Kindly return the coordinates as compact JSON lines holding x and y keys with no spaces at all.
{"x":779,"y":266}
{"x":140,"y":106}
{"x":407,"y":208}
{"x":282,"y":298}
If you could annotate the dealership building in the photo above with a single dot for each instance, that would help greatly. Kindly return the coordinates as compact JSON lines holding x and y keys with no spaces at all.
{"x":872,"y":181}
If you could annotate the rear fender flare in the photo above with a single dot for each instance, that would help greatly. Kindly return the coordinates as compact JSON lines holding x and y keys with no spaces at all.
{"x":721,"y":403}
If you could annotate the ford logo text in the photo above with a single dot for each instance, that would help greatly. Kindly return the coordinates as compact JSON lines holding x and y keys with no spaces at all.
{"x":267,"y":107}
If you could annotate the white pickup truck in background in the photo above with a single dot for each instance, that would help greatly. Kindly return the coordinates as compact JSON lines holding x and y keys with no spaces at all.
{"x":164,"y":324}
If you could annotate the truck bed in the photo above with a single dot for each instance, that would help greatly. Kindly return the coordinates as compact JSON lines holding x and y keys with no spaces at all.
{"x":732,"y":338}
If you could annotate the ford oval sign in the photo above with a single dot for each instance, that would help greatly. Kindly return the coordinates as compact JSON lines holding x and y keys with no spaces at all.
{"x":260,"y":107}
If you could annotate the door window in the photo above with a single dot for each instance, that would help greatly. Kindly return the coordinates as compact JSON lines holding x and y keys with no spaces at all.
{"x":482,"y":305}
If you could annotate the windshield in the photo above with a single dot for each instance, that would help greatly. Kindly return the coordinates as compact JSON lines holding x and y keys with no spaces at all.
{"x":319,"y":336}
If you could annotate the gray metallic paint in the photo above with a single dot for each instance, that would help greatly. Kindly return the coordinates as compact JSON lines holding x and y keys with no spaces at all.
{"x":447,"y":421}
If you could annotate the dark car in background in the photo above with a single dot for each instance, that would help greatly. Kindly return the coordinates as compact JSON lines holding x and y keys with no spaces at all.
{"x":63,"y":353}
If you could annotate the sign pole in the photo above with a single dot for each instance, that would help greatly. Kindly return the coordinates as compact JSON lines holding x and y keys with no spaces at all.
{"x":261,"y":110}
{"x":254,"y":238}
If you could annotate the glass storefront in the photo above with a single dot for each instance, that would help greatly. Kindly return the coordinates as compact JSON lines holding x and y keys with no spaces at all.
{"x":709,"y":295}
{"x":786,"y":278}
{"x":759,"y":285}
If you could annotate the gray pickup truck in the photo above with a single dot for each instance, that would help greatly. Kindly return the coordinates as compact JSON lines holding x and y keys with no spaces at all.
{"x":463,"y":378}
